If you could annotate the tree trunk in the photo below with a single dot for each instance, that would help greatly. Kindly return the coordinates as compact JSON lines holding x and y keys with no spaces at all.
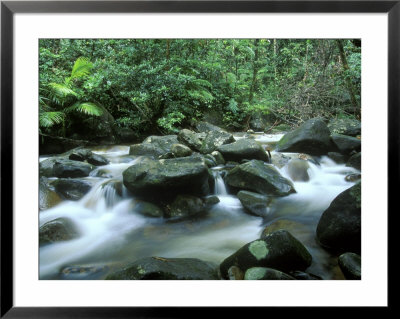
{"x":255,"y":70}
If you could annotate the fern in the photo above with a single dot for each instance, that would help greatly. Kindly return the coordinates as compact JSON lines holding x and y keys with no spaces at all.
{"x":59,"y":92}
{"x":86,"y":108}
{"x":82,"y":68}
{"x":48,"y":119}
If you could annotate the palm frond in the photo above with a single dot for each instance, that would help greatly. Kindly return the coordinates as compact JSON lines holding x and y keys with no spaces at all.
{"x":88,"y":108}
{"x":48,"y":119}
{"x":82,"y":67}
{"x":59,"y":92}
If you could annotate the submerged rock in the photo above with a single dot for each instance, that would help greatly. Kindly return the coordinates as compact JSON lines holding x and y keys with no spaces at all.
{"x":264,"y":273}
{"x":159,"y":268}
{"x":254,"y":203}
{"x":350,"y":264}
{"x":148,"y":209}
{"x":60,"y":229}
{"x":259,"y":177}
{"x":243,"y":149}
{"x":339,"y":227}
{"x":313,"y":138}
{"x":155,"y":178}
{"x":278,"y":250}
{"x":71,"y":189}
{"x":298,"y":170}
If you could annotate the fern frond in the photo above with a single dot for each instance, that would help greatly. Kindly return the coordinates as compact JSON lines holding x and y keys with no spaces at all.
{"x":82,"y":67}
{"x":48,"y":119}
{"x":59,"y":92}
{"x":88,"y":108}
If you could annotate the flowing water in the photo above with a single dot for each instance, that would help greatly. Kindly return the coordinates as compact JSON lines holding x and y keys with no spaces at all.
{"x":113,"y":234}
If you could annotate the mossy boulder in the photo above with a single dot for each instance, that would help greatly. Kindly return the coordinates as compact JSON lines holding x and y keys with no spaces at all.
{"x":243,"y":149}
{"x":259,"y":177}
{"x":190,"y":138}
{"x":185,"y":206}
{"x":219,"y":158}
{"x":205,"y":127}
{"x":264,"y":273}
{"x":278,"y":250}
{"x":339,"y":227}
{"x":69,"y":168}
{"x":159,"y":268}
{"x":346,"y":144}
{"x":180,"y":150}
{"x":345,"y":126}
{"x":313,"y":137}
{"x":71,"y":189}
{"x":214,"y":139}
{"x":164,"y":178}
{"x":254,"y":203}
{"x":350,"y":264}
{"x":60,"y":229}
{"x":148,"y":209}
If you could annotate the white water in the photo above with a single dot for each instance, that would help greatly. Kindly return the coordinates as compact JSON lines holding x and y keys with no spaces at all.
{"x":113,"y":233}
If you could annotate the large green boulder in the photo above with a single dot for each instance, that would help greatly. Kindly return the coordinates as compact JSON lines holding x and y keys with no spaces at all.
{"x":243,"y":149}
{"x":159,"y":268}
{"x":339,"y":227}
{"x":190,"y":139}
{"x":313,"y":137}
{"x":157,"y":178}
{"x":259,"y":177}
{"x":214,"y":139}
{"x":278,"y":250}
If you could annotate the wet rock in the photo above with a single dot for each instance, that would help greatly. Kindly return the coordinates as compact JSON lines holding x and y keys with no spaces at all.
{"x":205,"y":127}
{"x":210,"y":160}
{"x":337,"y":157}
{"x":264,"y":273}
{"x":148,"y":209}
{"x":60,"y":229}
{"x":346,"y":144}
{"x":214,"y":139}
{"x":154,"y":146}
{"x":71,"y":189}
{"x":97,"y":160}
{"x":145,"y":149}
{"x":286,"y":224}
{"x":278,"y":250}
{"x":211,"y":200}
{"x":180,"y":150}
{"x":235,"y":273}
{"x":190,"y":138}
{"x":298,"y":170}
{"x":352,"y":177}
{"x":159,"y":268}
{"x":155,"y":178}
{"x":69,"y":168}
{"x":219,"y":159}
{"x":47,"y":196}
{"x":350,"y":264}
{"x":46,"y":166}
{"x":80,"y":155}
{"x":339,"y":227}
{"x":355,"y":161}
{"x":83,"y":272}
{"x":350,"y":127}
{"x":243,"y":149}
{"x":259,"y":177}
{"x":254,"y":203}
{"x":279,"y":159}
{"x":313,"y":138}
{"x":185,"y":206}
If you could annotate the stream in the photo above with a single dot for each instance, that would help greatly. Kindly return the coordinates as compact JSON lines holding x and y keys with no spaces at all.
{"x":113,"y":234}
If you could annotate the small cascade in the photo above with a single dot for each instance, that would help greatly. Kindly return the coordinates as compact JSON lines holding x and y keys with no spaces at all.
{"x":220,"y":188}
{"x":110,"y":192}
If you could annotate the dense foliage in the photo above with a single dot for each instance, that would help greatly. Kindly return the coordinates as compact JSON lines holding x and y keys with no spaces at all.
{"x":161,"y":85}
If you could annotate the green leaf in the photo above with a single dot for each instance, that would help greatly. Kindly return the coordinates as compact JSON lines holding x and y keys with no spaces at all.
{"x":88,"y":108}
{"x":59,"y":92}
{"x":48,"y":119}
{"x":82,"y":67}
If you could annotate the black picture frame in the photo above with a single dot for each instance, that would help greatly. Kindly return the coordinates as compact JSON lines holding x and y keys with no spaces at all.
{"x":9,"y":8}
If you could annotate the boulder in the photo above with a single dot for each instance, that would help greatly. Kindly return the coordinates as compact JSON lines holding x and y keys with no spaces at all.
{"x":243,"y":149}
{"x":46,"y":166}
{"x":71,"y":189}
{"x":69,"y":168}
{"x":350,"y":264}
{"x":355,"y":161}
{"x":180,"y":150}
{"x":278,"y":250}
{"x":163,"y":142}
{"x":214,"y":139}
{"x":279,"y":159}
{"x":339,"y":227}
{"x":351,"y":127}
{"x":211,"y":200}
{"x":205,"y":127}
{"x":264,"y":273}
{"x":346,"y":144}
{"x":154,"y":178}
{"x":337,"y":157}
{"x":79,"y":154}
{"x":47,"y":197}
{"x":148,"y":209}
{"x":235,"y":273}
{"x":313,"y":137}
{"x":298,"y":170}
{"x":259,"y":177}
{"x":352,"y":178}
{"x":146,"y":150}
{"x":218,"y":158}
{"x":190,"y":138}
{"x":159,"y":268}
{"x":254,"y":203}
{"x":97,"y":160}
{"x":185,"y":206}
{"x":60,"y":229}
